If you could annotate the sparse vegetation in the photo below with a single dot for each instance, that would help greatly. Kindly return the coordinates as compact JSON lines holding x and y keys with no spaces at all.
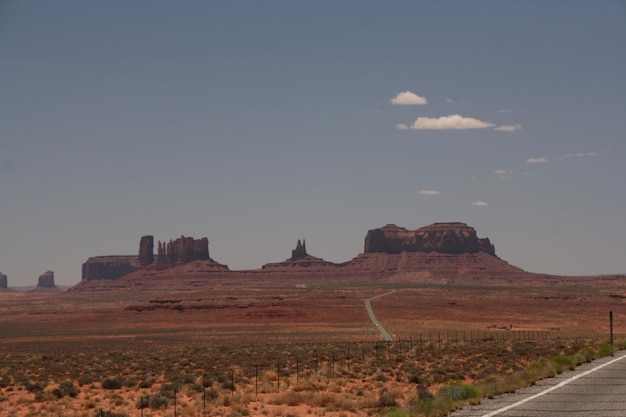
{"x":152,"y":369}
{"x":429,"y":383}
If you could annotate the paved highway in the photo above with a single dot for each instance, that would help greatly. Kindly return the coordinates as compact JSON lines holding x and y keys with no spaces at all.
{"x":380,"y":328}
{"x":596,"y":389}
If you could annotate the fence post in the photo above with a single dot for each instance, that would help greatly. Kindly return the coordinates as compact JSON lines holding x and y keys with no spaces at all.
{"x":203,"y":395}
{"x":388,"y":351}
{"x":611,"y":323}
{"x":256,"y":380}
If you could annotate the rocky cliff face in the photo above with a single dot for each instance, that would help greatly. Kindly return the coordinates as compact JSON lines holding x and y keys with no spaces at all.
{"x":183,"y":250}
{"x":299,"y":252}
{"x":452,"y":238}
{"x":146,"y":250}
{"x":108,"y":267}
{"x":46,"y":280}
{"x":3,"y":281}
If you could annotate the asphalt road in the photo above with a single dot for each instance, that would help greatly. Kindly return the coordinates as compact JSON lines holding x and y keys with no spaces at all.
{"x":595,"y":389}
{"x":380,"y":328}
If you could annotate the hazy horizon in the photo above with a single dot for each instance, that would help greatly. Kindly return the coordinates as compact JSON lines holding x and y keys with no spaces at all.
{"x":256,"y":124}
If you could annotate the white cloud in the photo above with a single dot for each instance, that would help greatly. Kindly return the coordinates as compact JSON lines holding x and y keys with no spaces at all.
{"x":504,"y":111}
{"x":501,"y":173}
{"x":407,"y":98}
{"x":453,"y":121}
{"x":560,"y":158}
{"x":578,"y":155}
{"x":449,"y":100}
{"x":430,"y":192}
{"x":479,"y":203}
{"x":540,"y":160}
{"x":508,"y":128}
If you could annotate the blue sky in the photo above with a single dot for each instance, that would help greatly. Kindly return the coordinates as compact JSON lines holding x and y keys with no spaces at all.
{"x":260,"y":123}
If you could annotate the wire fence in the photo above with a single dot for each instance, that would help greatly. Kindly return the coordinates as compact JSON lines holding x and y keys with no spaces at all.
{"x":285,"y":365}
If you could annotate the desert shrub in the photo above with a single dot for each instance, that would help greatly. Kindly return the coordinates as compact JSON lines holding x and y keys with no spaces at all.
{"x":34,"y":386}
{"x":212,"y":394}
{"x":58,"y":392}
{"x":606,"y":350}
{"x":425,"y":406}
{"x":197,"y":387}
{"x":563,"y":361}
{"x":291,"y":398}
{"x":588,"y":354}
{"x":85,"y":379}
{"x":169,"y":390}
{"x":458,"y":392}
{"x":112,"y":383}
{"x":146,"y":383}
{"x":386,"y":398}
{"x":396,"y":413}
{"x":111,"y":414}
{"x":155,"y":402}
{"x":68,"y":388}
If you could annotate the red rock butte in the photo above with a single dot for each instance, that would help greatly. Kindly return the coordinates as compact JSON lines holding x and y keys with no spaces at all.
{"x":442,"y":253}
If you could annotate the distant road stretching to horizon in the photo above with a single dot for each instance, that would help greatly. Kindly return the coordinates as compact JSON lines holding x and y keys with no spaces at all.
{"x":381,"y":329}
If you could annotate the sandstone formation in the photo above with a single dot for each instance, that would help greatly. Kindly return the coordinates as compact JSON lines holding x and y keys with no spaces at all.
{"x":301,"y":261}
{"x":441,"y":253}
{"x":452,"y":238}
{"x":108,"y":267}
{"x":183,"y":250}
{"x":299,"y":252}
{"x":146,"y":250}
{"x":46,"y":280}
{"x":3,"y":281}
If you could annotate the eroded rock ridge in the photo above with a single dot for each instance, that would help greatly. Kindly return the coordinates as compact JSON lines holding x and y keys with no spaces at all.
{"x":183,"y":250}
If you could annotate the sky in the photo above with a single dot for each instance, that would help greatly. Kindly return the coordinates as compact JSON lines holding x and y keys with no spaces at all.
{"x":256,"y":124}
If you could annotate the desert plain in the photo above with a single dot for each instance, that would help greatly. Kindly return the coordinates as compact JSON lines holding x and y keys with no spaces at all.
{"x":283,"y":350}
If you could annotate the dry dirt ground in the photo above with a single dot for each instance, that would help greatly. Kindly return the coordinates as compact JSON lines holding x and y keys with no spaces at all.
{"x":281,"y":351}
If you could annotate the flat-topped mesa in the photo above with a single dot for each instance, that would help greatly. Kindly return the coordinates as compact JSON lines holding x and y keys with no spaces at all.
{"x":3,"y":281}
{"x":300,"y":251}
{"x":182,"y":250}
{"x":452,"y":238}
{"x":109,"y":267}
{"x":46,"y":280}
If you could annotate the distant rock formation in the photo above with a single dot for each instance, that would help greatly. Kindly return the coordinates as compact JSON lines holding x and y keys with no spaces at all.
{"x":46,"y":280}
{"x":438,"y":253}
{"x":146,"y":250}
{"x":108,"y":267}
{"x":300,"y":260}
{"x":3,"y":281}
{"x":182,"y":250}
{"x":300,"y":251}
{"x":451,"y":238}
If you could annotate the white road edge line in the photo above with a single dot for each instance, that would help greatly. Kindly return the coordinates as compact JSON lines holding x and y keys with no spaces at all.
{"x":567,"y":381}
